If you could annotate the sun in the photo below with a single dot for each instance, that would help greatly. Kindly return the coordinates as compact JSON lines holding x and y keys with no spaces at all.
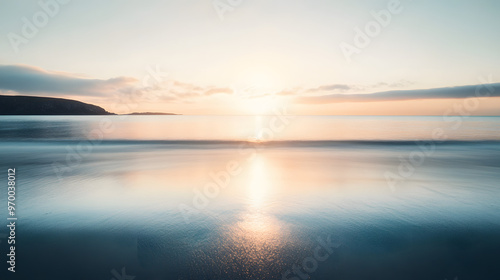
{"x":256,"y":87}
{"x":264,"y":105}
{"x":258,"y":79}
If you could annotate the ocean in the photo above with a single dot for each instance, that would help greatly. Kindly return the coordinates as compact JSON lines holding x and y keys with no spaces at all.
{"x":252,"y":197}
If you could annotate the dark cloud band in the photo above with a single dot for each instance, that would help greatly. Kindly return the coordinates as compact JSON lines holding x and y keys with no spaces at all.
{"x":460,"y":92}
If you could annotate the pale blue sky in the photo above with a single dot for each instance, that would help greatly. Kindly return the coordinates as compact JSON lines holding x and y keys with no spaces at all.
{"x":280,"y":45}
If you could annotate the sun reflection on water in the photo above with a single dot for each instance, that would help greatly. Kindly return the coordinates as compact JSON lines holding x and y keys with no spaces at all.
{"x":258,"y":182}
{"x":257,"y":239}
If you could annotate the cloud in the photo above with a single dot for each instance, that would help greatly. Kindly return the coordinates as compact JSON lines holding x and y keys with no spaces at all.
{"x":218,"y":90}
{"x":333,"y":87}
{"x":30,"y":80}
{"x":287,"y":92}
{"x":353,"y":88}
{"x":399,"y":84}
{"x":187,"y":86}
{"x":183,"y":91}
{"x":23,"y":79}
{"x":186,"y":90}
{"x":342,"y":88}
{"x":458,"y":92}
{"x":33,"y":80}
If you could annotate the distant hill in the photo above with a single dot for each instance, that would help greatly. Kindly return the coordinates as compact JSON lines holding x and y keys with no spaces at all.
{"x":150,"y":114}
{"x":29,"y":105}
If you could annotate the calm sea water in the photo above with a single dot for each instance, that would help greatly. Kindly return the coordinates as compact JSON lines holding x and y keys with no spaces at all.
{"x":229,"y":197}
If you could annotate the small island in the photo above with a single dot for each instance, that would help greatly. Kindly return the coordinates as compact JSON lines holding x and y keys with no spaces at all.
{"x":152,"y":114}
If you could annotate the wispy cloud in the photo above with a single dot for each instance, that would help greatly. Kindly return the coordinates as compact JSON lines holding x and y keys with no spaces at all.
{"x":399,"y":84}
{"x":218,"y":90}
{"x":333,"y":87}
{"x":287,"y":92}
{"x":185,"y":92}
{"x":30,"y":80}
{"x":345,"y":88}
{"x":25,"y":79}
{"x":458,"y":92}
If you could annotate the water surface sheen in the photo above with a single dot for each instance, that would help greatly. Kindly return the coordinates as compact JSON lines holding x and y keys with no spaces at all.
{"x":197,"y":197}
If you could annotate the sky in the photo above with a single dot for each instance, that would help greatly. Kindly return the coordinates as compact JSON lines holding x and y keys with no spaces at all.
{"x":221,"y":57}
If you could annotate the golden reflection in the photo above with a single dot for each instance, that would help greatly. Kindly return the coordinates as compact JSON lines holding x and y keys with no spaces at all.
{"x":259,"y":183}
{"x":256,"y":242}
{"x":257,"y":239}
